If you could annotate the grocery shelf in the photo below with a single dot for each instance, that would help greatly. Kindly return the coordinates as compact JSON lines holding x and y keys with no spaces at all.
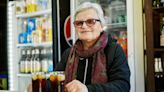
{"x":118,"y":7}
{"x":116,"y":26}
{"x":47,"y":44}
{"x":23,"y":75}
{"x":38,"y":13}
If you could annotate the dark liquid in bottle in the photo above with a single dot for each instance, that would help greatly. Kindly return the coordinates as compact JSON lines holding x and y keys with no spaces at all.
{"x":35,"y":85}
{"x":43,"y":85}
{"x":54,"y":86}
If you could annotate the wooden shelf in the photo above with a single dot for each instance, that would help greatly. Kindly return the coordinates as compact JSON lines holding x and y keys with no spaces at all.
{"x":116,"y":26}
{"x":159,"y":49}
{"x":159,"y":74}
{"x":160,"y":9}
{"x":150,"y":50}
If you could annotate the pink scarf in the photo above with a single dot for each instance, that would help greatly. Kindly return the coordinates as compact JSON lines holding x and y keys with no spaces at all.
{"x":99,"y":72}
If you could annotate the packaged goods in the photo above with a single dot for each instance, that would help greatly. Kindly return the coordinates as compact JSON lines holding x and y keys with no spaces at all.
{"x":31,"y":6}
{"x":22,"y":38}
{"x":20,"y":7}
{"x":31,"y":26}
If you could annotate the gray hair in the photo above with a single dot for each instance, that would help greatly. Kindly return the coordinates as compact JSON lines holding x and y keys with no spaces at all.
{"x":89,"y":5}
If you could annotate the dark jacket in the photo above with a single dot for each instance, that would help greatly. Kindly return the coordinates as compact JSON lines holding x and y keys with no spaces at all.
{"x":117,"y":69}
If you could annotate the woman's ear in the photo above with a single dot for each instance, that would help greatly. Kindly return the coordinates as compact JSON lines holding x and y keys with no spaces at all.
{"x":102,"y":27}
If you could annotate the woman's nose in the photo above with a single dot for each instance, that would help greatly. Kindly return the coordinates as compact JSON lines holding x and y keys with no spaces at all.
{"x":84,"y":25}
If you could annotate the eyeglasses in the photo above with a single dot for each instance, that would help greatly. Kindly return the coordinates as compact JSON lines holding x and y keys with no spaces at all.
{"x":89,"y":22}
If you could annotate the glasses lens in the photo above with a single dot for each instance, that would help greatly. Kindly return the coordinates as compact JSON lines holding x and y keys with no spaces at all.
{"x":78,"y":23}
{"x":90,"y":22}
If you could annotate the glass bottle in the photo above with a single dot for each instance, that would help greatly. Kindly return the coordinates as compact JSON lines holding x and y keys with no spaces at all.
{"x":22,"y":61}
{"x":37,"y":64}
{"x":27,"y":62}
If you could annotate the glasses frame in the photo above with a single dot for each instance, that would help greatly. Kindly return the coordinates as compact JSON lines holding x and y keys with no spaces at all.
{"x":88,"y":22}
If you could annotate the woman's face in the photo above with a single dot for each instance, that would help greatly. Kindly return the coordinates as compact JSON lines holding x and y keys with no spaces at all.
{"x":87,"y":25}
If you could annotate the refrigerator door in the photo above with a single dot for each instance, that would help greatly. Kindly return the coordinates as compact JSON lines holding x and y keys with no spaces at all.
{"x":32,"y":41}
{"x":118,"y":24}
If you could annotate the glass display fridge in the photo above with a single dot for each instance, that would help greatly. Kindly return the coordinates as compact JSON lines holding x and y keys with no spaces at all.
{"x":33,"y":40}
{"x":119,"y":23}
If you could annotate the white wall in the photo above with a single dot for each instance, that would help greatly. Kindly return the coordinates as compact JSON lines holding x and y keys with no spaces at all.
{"x":139,"y":45}
{"x":135,"y":46}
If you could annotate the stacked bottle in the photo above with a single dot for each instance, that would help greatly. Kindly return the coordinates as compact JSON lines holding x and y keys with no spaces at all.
{"x":36,"y":60}
{"x":158,"y":66}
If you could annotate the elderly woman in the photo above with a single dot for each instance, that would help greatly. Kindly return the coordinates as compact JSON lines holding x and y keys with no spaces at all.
{"x":95,"y":63}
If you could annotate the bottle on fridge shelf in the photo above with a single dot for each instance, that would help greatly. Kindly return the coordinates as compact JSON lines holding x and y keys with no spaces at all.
{"x":34,"y":5}
{"x":31,"y":6}
{"x":35,"y":37}
{"x":39,"y":29}
{"x":39,"y":3}
{"x":22,"y":61}
{"x":50,"y":29}
{"x":45,"y":32}
{"x":32,"y":60}
{"x":44,"y":4}
{"x":20,"y":7}
{"x":37,"y":63}
{"x":27,"y":61}
{"x":44,"y":61}
{"x":28,"y":6}
{"x":50,"y":62}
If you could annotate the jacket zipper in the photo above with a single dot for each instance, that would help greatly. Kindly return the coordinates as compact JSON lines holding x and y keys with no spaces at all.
{"x":85,"y":72}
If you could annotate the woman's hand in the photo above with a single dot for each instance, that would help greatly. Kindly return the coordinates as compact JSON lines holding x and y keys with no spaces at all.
{"x":75,"y":86}
{"x":29,"y":88}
